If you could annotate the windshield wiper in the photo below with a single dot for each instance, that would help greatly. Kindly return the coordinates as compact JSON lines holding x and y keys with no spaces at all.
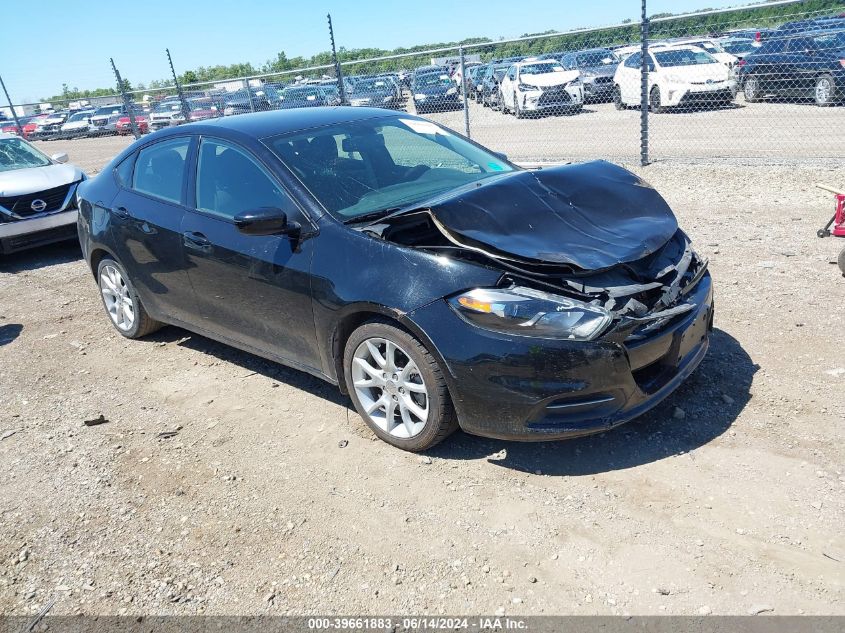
{"x":372,"y":216}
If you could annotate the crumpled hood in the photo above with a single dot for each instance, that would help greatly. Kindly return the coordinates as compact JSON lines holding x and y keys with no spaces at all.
{"x":591,"y":215}
{"x":22,"y":181}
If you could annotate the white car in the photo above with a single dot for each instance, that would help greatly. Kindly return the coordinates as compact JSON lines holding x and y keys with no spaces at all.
{"x":541,"y":86}
{"x":165,"y":114}
{"x":711,"y":46}
{"x":37,"y":196}
{"x":77,"y":123}
{"x":677,"y":76}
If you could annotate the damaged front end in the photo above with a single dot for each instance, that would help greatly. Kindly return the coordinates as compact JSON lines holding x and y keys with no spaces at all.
{"x":601,"y":310}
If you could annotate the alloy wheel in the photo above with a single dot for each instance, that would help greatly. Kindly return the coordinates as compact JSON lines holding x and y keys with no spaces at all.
{"x":824,"y":90}
{"x":750,"y":89}
{"x":390,"y":388}
{"x":117,"y":298}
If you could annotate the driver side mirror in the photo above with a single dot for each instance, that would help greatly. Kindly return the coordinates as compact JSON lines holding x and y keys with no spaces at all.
{"x":61,"y":157}
{"x":265,"y":221}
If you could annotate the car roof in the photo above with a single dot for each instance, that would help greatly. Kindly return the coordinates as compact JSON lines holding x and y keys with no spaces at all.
{"x":531,"y":62}
{"x":598,"y":49}
{"x":274,"y":122}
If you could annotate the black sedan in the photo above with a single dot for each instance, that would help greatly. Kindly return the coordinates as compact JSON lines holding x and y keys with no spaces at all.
{"x":433,"y":281}
{"x":807,"y":65}
{"x":375,"y":92}
{"x":434,"y":91}
{"x":305,"y":97}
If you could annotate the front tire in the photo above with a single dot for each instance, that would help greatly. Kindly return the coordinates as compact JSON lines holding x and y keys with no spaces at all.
{"x":121,"y":301}
{"x":517,"y":111}
{"x":397,"y":387}
{"x":654,"y":101}
{"x":617,"y":98}
{"x":502,"y":107}
{"x":825,"y":91}
{"x":751,"y":90}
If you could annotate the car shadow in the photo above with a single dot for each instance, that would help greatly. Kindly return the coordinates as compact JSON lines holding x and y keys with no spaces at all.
{"x":711,"y":400}
{"x":41,"y":257}
{"x":250,"y":363}
{"x":9,"y":332}
{"x":703,"y":107}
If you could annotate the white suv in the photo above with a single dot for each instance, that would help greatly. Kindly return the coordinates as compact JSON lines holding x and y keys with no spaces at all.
{"x":538,"y":86}
{"x":677,"y":76}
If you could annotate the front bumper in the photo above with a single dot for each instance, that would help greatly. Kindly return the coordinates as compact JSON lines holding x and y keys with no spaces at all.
{"x":684,"y":94}
{"x":598,"y":89}
{"x":434,"y":102}
{"x":31,"y":232}
{"x":529,"y":389}
{"x":556,"y":98}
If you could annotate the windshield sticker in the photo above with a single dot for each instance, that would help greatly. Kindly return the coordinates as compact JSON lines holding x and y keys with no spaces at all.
{"x":495,"y":166}
{"x":423,"y":127}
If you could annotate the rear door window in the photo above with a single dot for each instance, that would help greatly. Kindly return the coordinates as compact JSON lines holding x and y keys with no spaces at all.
{"x":160,"y":169}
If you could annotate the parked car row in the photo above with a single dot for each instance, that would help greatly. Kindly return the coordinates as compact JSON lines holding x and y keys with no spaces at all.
{"x":799,"y":60}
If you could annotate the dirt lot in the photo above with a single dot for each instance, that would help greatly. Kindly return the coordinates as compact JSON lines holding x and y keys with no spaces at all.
{"x":728,"y":498}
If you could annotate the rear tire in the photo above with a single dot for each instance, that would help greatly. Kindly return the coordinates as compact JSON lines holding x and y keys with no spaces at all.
{"x":405,"y":383}
{"x":617,"y":98}
{"x":120,"y":299}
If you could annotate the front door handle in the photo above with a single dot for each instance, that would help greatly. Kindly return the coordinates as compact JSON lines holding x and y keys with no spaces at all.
{"x":196,"y":241}
{"x":122,"y":213}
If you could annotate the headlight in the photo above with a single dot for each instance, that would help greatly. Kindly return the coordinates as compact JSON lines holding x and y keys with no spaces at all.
{"x":527,"y":312}
{"x":527,"y":88}
{"x":419,"y":96}
{"x":451,"y":91}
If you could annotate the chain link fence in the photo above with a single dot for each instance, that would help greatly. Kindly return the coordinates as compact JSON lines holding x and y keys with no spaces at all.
{"x":759,"y":83}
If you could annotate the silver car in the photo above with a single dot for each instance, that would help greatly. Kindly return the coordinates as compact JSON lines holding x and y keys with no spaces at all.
{"x":37,"y":196}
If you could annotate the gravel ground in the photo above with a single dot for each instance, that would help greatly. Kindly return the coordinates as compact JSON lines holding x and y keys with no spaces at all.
{"x":270,"y":495}
{"x":749,"y":132}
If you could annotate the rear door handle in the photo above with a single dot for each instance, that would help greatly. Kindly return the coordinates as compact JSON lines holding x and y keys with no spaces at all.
{"x":196,"y":241}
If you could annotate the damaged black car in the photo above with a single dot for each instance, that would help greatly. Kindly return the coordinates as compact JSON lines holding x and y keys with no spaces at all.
{"x":432,"y":280}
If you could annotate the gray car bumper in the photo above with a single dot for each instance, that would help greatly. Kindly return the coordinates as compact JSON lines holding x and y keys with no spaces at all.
{"x":36,"y":225}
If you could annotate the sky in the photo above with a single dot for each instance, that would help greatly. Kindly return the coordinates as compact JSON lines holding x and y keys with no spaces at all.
{"x":72,"y":42}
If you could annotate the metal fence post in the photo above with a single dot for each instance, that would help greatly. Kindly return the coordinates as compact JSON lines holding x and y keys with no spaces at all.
{"x":340,"y":87}
{"x":11,"y":107}
{"x":127,"y":103}
{"x":464,"y":92}
{"x":186,"y":112}
{"x":644,"y":105}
